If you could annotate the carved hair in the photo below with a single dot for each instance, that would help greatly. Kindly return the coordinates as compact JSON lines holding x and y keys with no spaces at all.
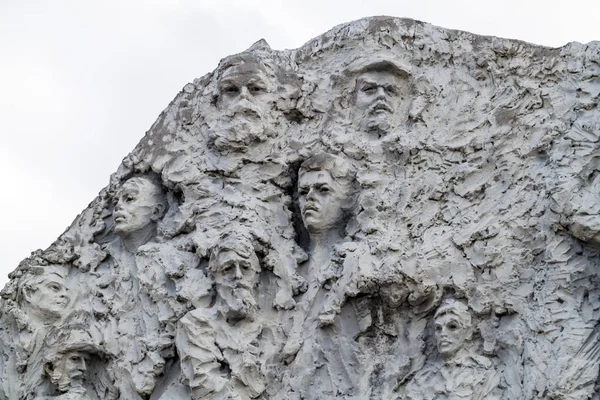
{"x":70,"y":338}
{"x":457,"y":308}
{"x":240,"y":59}
{"x":72,"y":335}
{"x":341,"y":170}
{"x":382,"y":66}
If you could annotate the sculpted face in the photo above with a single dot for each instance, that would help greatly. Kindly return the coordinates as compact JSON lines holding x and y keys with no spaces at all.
{"x":451,"y":333}
{"x":243,"y":102}
{"x":235,"y":271}
{"x":48,"y":294}
{"x":137,"y":206}
{"x":320,"y":198}
{"x":242,"y":90}
{"x":377,"y":96}
{"x":236,"y":277}
{"x":68,"y":370}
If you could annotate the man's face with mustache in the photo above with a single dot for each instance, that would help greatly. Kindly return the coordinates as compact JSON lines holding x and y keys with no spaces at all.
{"x":243,"y":103}
{"x":451,"y":334}
{"x":320,"y":198}
{"x":243,"y":91}
{"x":69,"y":370}
{"x":236,"y":279}
{"x":136,"y":206}
{"x":376,"y":100}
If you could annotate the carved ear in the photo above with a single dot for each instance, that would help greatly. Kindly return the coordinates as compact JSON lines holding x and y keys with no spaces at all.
{"x":158,"y":212}
{"x":48,"y":369}
{"x":27,"y":292}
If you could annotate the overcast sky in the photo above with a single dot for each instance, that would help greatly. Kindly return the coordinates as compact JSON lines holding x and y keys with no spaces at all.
{"x":82,"y":81}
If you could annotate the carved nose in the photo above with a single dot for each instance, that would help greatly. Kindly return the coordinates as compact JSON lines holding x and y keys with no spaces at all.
{"x":238,"y":271}
{"x":380,"y":94}
{"x":244,"y":93}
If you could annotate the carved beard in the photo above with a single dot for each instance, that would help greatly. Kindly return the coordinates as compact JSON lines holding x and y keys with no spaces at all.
{"x":238,"y":300}
{"x":241,"y":127}
{"x":66,"y":383}
{"x":239,"y":133}
{"x":377,"y":123}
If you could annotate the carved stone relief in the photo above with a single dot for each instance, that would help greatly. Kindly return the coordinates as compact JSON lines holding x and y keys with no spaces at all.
{"x":391,"y":211}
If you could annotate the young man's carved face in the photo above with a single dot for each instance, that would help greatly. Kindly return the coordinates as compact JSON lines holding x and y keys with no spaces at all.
{"x":321,"y":198}
{"x":137,"y":206}
{"x":48,"y":294}
{"x":451,"y":333}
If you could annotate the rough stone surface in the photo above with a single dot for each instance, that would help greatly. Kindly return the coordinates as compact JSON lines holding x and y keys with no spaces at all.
{"x":392,"y":211}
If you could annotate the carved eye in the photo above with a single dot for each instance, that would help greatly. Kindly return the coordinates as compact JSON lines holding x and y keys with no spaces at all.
{"x":74,"y":358}
{"x":227,"y":269}
{"x":438,"y":328}
{"x":54,"y":287}
{"x":324,"y":189}
{"x":453,"y":326}
{"x":369,"y":89}
{"x":245,"y":266}
{"x":231,"y":90}
{"x":391,"y":90}
{"x":129,"y":198}
{"x":256,"y":89}
{"x":303,"y":192}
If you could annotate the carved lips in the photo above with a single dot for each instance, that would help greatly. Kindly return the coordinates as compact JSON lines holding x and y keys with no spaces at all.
{"x":61,"y":301}
{"x":120,"y":217}
{"x":246,"y":108}
{"x":380,"y":107}
{"x":311,"y":208}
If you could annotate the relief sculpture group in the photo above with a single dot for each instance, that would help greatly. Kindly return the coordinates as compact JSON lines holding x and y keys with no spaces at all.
{"x":391,"y":211}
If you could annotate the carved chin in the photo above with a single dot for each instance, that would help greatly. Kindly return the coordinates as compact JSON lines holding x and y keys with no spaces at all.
{"x":51,"y":312}
{"x":379,"y":123}
{"x":315,"y":223}
{"x":63,"y":382}
{"x":123,"y":227}
{"x":239,"y":132}
{"x":448,"y":349}
{"x":312,"y":219}
{"x":239,"y":300}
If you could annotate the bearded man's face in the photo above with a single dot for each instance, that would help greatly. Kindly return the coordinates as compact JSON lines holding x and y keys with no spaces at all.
{"x":236,"y":280}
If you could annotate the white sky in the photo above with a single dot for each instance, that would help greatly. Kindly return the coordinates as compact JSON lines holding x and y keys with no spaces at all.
{"x":82,"y":81}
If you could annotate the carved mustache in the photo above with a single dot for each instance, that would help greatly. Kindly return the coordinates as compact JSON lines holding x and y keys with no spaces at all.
{"x":380,"y":105}
{"x":77,"y":373}
{"x":236,"y":284}
{"x":245,"y":108}
{"x":311,"y":207}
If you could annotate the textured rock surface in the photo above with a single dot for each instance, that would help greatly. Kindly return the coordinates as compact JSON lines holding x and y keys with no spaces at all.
{"x":391,"y":211}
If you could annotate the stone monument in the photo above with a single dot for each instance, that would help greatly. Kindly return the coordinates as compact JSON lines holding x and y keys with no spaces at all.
{"x":391,"y":211}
